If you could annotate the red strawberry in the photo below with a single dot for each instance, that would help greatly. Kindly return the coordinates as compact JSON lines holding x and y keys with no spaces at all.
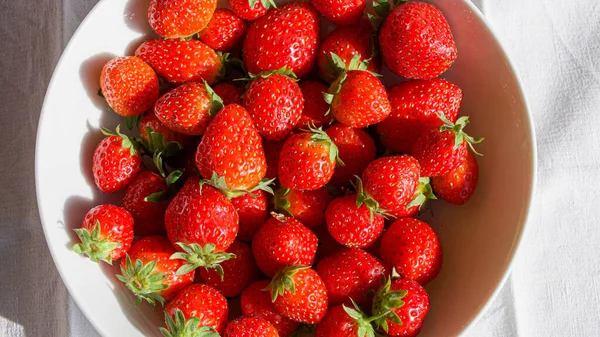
{"x":249,"y":9}
{"x":458,"y":186}
{"x":315,"y":109}
{"x":351,"y":273}
{"x":150,"y":123}
{"x":116,"y":161}
{"x":299,"y":294}
{"x":106,"y":233}
{"x":355,"y":148}
{"x":341,"y":12}
{"x":224,"y":31}
{"x":413,"y":249}
{"x":306,"y":206}
{"x":416,"y":106}
{"x":343,"y":321}
{"x":204,"y":303}
{"x":283,"y":242}
{"x":416,"y":42}
{"x":307,"y":160}
{"x":149,"y":214}
{"x":229,"y":93}
{"x":250,"y":327}
{"x":149,"y":272}
{"x":287,"y":36}
{"x":441,"y":150}
{"x":129,"y":85}
{"x":256,"y":302}
{"x":272,"y":151}
{"x":237,"y":274}
{"x":409,"y":304}
{"x":180,"y":61}
{"x":180,"y":18}
{"x":253,"y":210}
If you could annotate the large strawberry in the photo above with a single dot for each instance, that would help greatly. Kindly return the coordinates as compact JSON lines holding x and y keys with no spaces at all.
{"x":356,"y":150}
{"x":150,"y":124}
{"x":250,"y":327}
{"x":287,"y":36}
{"x":149,"y":272}
{"x":314,"y":113}
{"x":229,"y":93}
{"x":343,"y":321}
{"x":116,"y":161}
{"x":224,"y":31}
{"x":180,"y":61}
{"x":148,"y":212}
{"x":416,"y":106}
{"x":306,"y":206}
{"x":180,"y":18}
{"x":458,"y":186}
{"x":253,"y":210}
{"x":202,"y":302}
{"x":341,"y":12}
{"x":106,"y":233}
{"x":129,"y":85}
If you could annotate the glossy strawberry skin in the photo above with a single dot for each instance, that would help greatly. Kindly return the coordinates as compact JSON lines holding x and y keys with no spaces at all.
{"x":415,"y":108}
{"x":180,"y":61}
{"x":314,"y":113}
{"x":150,"y":121}
{"x":129,"y":85}
{"x":416,"y":41}
{"x":252,"y":211}
{"x":229,"y":93}
{"x":272,"y":152}
{"x":116,"y":224}
{"x":185,"y":109}
{"x":458,"y":186}
{"x":436,"y":154}
{"x":306,"y":206}
{"x":271,"y":43}
{"x":341,"y":12}
{"x":250,"y":327}
{"x":309,"y":303}
{"x":180,"y":18}
{"x":202,"y":302}
{"x":350,"y":225}
{"x":337,"y":323}
{"x":356,"y":149}
{"x":149,"y":216}
{"x":242,"y":9}
{"x":224,"y":31}
{"x":413,"y":312}
{"x":281,"y":243}
{"x":114,"y":166}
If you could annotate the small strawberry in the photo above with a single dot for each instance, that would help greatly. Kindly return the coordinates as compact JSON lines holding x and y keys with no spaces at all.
{"x":416,"y":106}
{"x":250,"y":9}
{"x":341,"y":12}
{"x":106,"y":233}
{"x":129,"y":85}
{"x":458,"y":186}
{"x":413,"y":249}
{"x":224,"y":31}
{"x":306,"y":206}
{"x":180,"y":18}
{"x":150,"y":124}
{"x":116,"y":161}
{"x":204,"y":303}
{"x":287,"y":36}
{"x":355,"y":148}
{"x":180,"y":61}
{"x":253,"y":210}
{"x":415,"y":40}
{"x":272,"y":151}
{"x":250,"y":327}
{"x":282,"y":242}
{"x":149,"y":272}
{"x":441,"y":150}
{"x":343,"y":321}
{"x":351,"y":273}
{"x":148,"y":213}
{"x":229,"y":93}
{"x":314,"y":113}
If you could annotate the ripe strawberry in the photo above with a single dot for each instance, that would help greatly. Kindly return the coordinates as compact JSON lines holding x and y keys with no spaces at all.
{"x":253,"y":210}
{"x":351,"y":273}
{"x":409,"y":304}
{"x":180,"y":18}
{"x":413,"y":249}
{"x":256,"y":302}
{"x":299,"y":294}
{"x":129,"y":85}
{"x":441,"y":150}
{"x":458,"y":186}
{"x":204,"y":303}
{"x":224,"y":31}
{"x":343,"y":321}
{"x":250,"y":9}
{"x":314,"y":113}
{"x":287,"y":36}
{"x":416,"y":42}
{"x":106,"y":233}
{"x":250,"y":327}
{"x":355,"y":148}
{"x":238,"y":272}
{"x":282,"y":242}
{"x":179,"y":61}
{"x":307,"y":160}
{"x":150,"y":124}
{"x":306,"y":206}
{"x":341,"y":12}
{"x":229,"y":93}
{"x":149,"y":272}
{"x":272,"y":151}
{"x":148,"y":214}
{"x":416,"y":106}
{"x":116,"y":161}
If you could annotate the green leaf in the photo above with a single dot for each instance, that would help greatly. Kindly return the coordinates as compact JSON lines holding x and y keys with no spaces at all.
{"x":328,"y":97}
{"x":133,"y":121}
{"x":381,"y":8}
{"x":283,"y":281}
{"x":217,"y":102}
{"x":174,"y":176}
{"x":198,"y":256}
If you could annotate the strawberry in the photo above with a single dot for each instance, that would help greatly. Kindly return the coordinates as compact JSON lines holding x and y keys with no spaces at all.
{"x":116,"y":161}
{"x":282,"y":242}
{"x":458,"y":185}
{"x":307,"y":160}
{"x":224,"y":31}
{"x":306,"y":206}
{"x":238,"y":272}
{"x":355,"y":148}
{"x":256,"y":302}
{"x":253,"y":210}
{"x":341,"y":12}
{"x":299,"y":294}
{"x":274,"y":100}
{"x":421,"y":195}
{"x":129,"y":85}
{"x":272,"y":151}
{"x":150,"y":124}
{"x":250,"y":9}
{"x":314,"y":113}
{"x":415,"y":41}
{"x":204,"y":303}
{"x":106,"y":233}
{"x":440,"y":150}
{"x":229,"y":93}
{"x":149,"y":272}
{"x":402,"y":305}
{"x":180,"y":61}
{"x":250,"y":327}
{"x":351,"y":273}
{"x":180,"y":18}
{"x":343,"y":321}
{"x":416,"y":106}
{"x":148,"y":213}
{"x":287,"y":36}
{"x":413,"y":249}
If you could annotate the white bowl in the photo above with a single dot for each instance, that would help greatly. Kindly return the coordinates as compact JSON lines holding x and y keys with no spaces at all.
{"x":479,"y":239}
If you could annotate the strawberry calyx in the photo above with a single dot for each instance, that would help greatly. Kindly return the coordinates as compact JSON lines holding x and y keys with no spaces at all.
{"x":216,"y":101}
{"x":143,"y":281}
{"x":281,"y":203}
{"x":266,"y":3}
{"x":93,"y":245}
{"x":156,"y":145}
{"x":363,"y":198}
{"x":423,"y":193}
{"x":320,"y":136}
{"x":173,"y":186}
{"x":197,"y":256}
{"x":365,"y":329}
{"x":382,"y":9}
{"x":459,"y":135}
{"x":284,"y":71}
{"x":335,"y":66}
{"x":127,"y":142}
{"x":219,"y":183}
{"x":180,"y":327}
{"x":384,"y":304}
{"x":283,"y":281}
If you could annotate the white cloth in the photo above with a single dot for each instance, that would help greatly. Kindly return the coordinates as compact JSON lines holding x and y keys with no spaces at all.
{"x":555,"y":284}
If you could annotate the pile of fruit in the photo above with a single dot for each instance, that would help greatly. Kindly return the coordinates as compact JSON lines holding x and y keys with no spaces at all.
{"x":280,"y":168}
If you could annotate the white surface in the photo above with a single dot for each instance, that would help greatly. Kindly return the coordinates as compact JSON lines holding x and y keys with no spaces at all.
{"x":552,"y":291}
